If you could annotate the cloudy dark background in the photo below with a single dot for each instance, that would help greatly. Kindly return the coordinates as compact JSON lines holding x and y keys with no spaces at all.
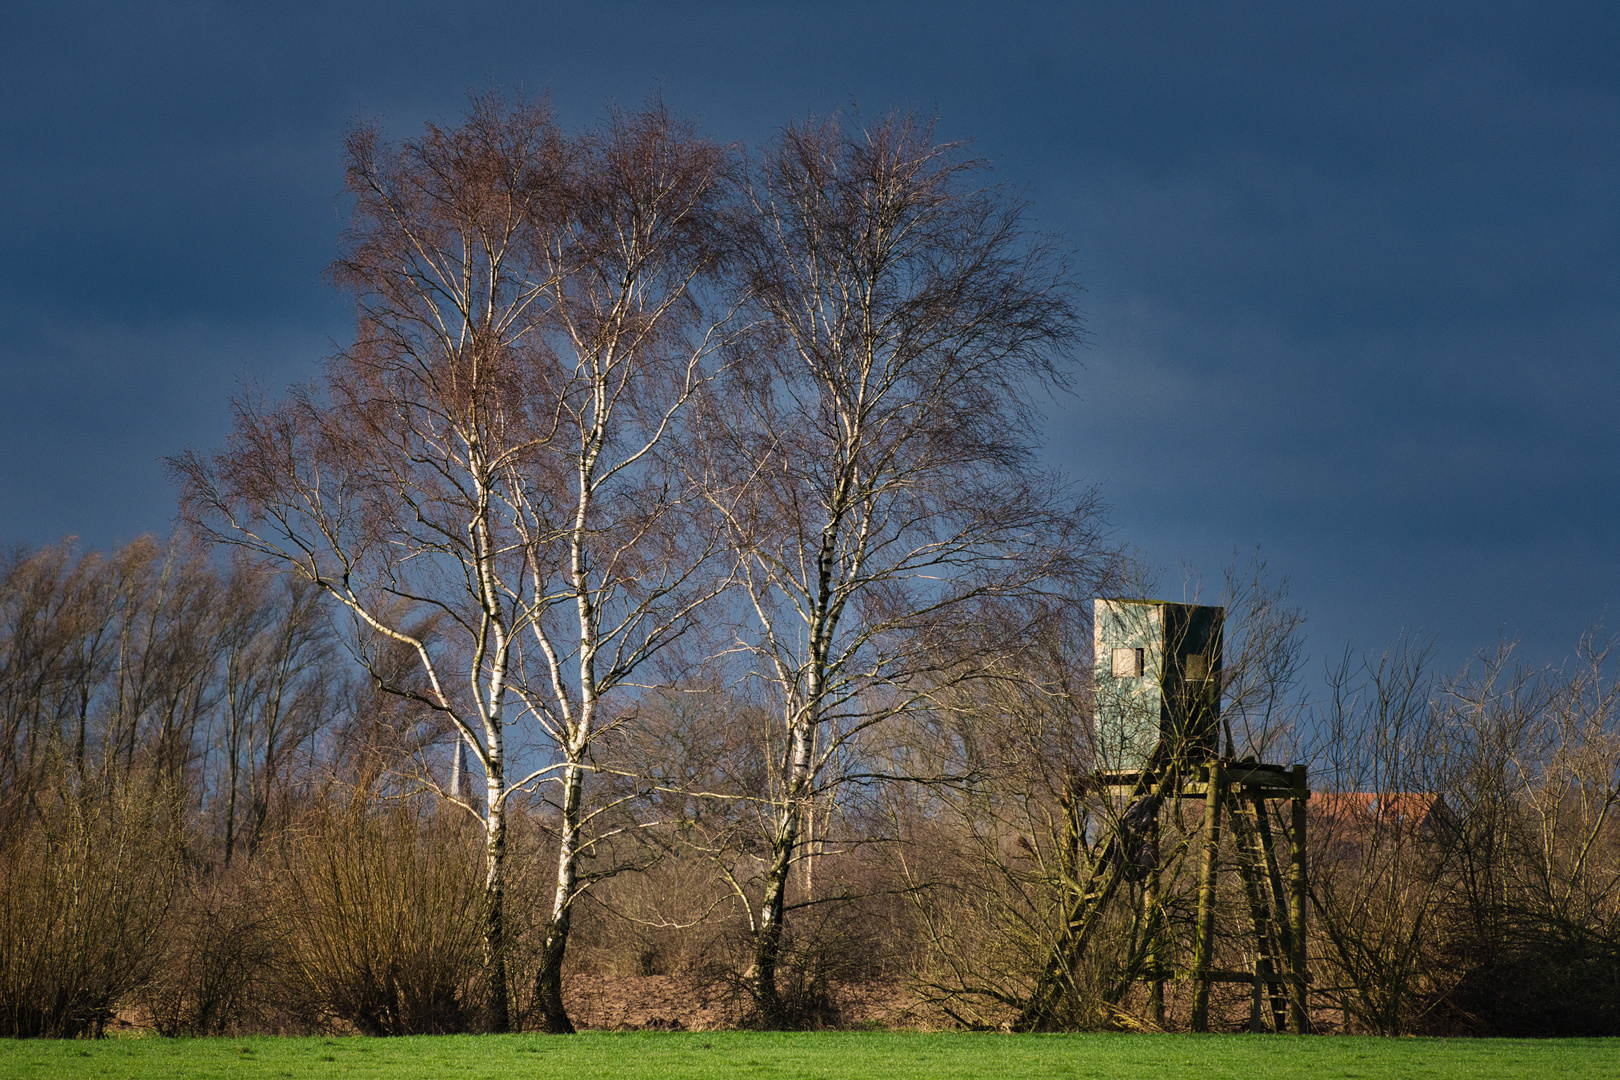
{"x":1353,"y":269}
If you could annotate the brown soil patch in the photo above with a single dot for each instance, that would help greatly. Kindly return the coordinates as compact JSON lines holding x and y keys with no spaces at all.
{"x":682,"y":1003}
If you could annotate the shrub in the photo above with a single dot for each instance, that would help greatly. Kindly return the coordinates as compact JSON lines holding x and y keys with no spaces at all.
{"x":214,"y":975}
{"x":382,"y":921}
{"x":86,"y":879}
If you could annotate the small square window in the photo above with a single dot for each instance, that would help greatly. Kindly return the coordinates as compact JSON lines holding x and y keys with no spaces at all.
{"x":1129,"y":663}
{"x":1197,"y":666}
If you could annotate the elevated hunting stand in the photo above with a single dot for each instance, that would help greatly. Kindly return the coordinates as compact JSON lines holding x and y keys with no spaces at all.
{"x":1157,"y":700}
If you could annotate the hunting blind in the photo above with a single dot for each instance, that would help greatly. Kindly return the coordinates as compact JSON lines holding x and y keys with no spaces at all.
{"x":1157,"y":697}
{"x":1158,"y":681}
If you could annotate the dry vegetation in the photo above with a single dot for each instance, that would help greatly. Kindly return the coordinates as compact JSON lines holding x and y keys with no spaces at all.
{"x":1471,"y":888}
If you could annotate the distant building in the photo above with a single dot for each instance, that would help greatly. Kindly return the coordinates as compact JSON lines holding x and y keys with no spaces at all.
{"x":1347,"y":821}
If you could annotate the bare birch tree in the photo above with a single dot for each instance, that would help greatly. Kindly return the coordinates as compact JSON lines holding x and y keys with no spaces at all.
{"x":479,"y":480}
{"x":399,"y":485}
{"x":625,"y":566}
{"x":879,"y":448}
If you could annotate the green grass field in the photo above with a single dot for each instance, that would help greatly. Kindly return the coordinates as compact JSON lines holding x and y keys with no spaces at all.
{"x":838,"y":1056}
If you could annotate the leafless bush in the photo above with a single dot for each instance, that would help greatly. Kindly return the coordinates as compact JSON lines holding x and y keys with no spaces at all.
{"x":670,"y":918}
{"x":1534,"y":762}
{"x":382,"y":922}
{"x":1012,"y":938}
{"x":1380,"y":880}
{"x":996,"y":860}
{"x":1466,"y":857}
{"x":85,"y":884}
{"x":215,"y":976}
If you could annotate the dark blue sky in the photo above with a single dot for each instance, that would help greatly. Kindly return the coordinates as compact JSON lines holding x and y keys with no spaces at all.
{"x":1353,"y":269}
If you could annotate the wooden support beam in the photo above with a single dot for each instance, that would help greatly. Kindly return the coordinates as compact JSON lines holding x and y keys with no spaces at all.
{"x":1220,"y":975}
{"x":1151,"y":923}
{"x":1257,"y":999}
{"x":1204,"y":945}
{"x":1299,"y":1017}
{"x":1267,"y":777}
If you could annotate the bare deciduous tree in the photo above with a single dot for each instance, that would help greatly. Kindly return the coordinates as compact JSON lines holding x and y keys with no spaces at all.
{"x":278,"y":672}
{"x":878,"y":448}
{"x":623,"y":569}
{"x":481,"y":478}
{"x":388,"y":486}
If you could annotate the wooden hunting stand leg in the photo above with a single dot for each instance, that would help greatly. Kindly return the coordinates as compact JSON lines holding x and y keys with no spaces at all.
{"x":1204,"y":946}
{"x":1257,"y":999}
{"x":1150,"y":923}
{"x":1299,"y":1018}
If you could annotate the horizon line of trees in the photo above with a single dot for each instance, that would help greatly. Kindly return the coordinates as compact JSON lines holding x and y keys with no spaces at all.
{"x":212,"y":822}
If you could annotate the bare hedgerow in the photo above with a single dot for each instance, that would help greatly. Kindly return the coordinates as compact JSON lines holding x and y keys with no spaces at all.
{"x":86,"y":879}
{"x":382,"y":920}
{"x":215,"y":975}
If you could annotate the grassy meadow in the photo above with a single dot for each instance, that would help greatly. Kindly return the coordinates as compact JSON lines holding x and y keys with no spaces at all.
{"x":832,"y":1056}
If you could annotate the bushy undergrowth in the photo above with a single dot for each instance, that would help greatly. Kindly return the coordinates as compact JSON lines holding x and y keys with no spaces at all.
{"x":381,"y":923}
{"x":87,"y":873}
{"x":217,"y":974}
{"x":205,"y":858}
